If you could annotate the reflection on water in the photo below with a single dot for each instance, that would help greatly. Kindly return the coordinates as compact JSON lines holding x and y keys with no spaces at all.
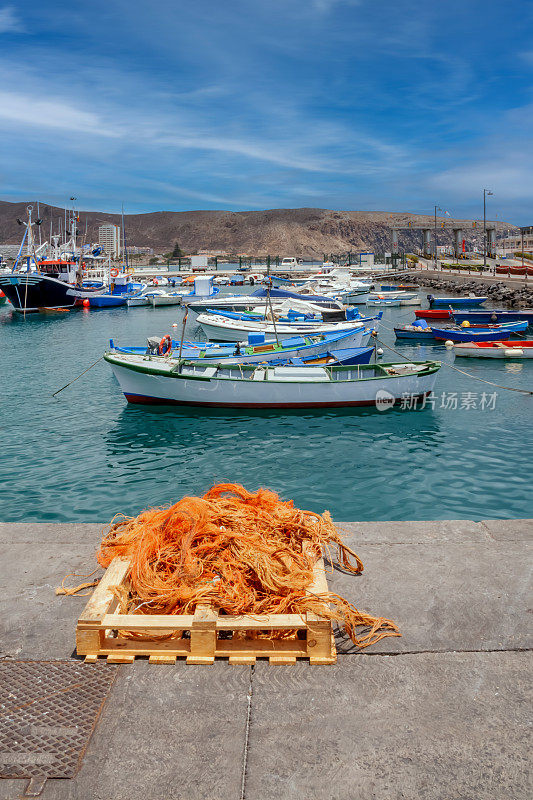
{"x":86,"y":454}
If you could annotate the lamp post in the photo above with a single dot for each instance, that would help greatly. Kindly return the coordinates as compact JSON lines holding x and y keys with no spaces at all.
{"x":485,"y":193}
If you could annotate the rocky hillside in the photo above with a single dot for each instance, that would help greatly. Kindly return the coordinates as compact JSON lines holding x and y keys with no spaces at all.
{"x":304,"y":232}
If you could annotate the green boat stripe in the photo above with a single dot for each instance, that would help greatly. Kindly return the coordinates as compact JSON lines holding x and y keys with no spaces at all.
{"x":434,"y":366}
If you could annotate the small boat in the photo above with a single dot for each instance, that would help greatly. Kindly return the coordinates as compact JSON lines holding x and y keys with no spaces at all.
{"x":170,"y":381}
{"x":419,"y":331}
{"x":164,"y":298}
{"x":471,"y":334}
{"x":401,"y":287}
{"x":508,"y":348}
{"x":455,"y":302}
{"x":221,"y":328}
{"x":381,"y":302}
{"x":139,"y":300}
{"x":437,"y":313}
{"x":494,"y":315}
{"x":404,"y":298}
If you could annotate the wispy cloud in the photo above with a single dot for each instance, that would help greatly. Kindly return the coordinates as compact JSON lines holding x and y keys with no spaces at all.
{"x":29,"y":110}
{"x":10,"y":22}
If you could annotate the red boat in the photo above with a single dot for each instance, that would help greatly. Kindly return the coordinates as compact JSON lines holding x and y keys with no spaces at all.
{"x":433,"y":313}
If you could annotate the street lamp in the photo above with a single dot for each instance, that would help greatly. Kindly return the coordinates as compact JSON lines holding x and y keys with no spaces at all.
{"x":485,"y":193}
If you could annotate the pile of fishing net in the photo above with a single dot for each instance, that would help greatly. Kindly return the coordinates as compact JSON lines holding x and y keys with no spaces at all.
{"x":240,"y":552}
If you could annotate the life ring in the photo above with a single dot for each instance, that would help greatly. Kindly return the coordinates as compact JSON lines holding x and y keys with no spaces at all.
{"x":114,"y":272}
{"x":155,"y":282}
{"x":165,"y":345}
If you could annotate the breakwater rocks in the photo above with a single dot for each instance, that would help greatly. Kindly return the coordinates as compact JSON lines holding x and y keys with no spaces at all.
{"x":514,"y":297}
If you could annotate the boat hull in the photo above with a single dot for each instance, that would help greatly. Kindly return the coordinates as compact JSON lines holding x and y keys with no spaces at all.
{"x":29,"y":292}
{"x":455,"y":302}
{"x":418,"y":335}
{"x":433,"y":313}
{"x":494,"y":316}
{"x":148,"y":388}
{"x":218,"y":331}
{"x":498,"y":349}
{"x":224,"y":354}
{"x":483,"y":335}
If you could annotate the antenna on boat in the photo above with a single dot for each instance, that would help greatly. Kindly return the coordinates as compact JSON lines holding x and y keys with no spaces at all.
{"x":182,"y":337}
{"x":269,"y":301}
{"x":124,"y":239}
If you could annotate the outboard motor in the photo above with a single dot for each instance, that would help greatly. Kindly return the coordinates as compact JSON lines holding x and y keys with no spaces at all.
{"x":152,"y":345}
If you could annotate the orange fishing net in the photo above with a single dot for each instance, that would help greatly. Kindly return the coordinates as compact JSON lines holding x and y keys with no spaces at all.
{"x":239,"y":551}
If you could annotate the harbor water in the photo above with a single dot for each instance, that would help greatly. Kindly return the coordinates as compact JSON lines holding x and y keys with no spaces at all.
{"x":86,"y":454}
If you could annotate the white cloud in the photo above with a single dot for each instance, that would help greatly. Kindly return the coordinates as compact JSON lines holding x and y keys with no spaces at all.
{"x":324,"y":6}
{"x":9,"y":21}
{"x":30,"y":111}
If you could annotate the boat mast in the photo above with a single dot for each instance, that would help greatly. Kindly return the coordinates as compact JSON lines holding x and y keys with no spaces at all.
{"x":124,"y":239}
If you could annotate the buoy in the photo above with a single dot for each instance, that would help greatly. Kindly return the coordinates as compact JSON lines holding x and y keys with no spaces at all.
{"x":379,"y":351}
{"x":174,"y":324}
{"x":513,"y":351}
{"x":448,"y":343}
{"x":86,"y":303}
{"x":465,"y":324}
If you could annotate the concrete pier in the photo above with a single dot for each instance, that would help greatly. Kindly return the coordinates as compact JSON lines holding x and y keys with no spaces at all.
{"x":440,"y":713}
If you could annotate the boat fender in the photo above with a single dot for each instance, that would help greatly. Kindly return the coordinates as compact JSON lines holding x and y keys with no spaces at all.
{"x":165,"y":345}
{"x":114,"y":272}
{"x":448,"y":343}
{"x":513,"y":351}
{"x":465,"y":324}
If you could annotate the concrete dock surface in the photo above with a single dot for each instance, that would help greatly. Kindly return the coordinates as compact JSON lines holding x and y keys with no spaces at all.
{"x":441,"y":713}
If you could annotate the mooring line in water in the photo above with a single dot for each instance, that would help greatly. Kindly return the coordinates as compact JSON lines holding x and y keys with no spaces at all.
{"x":78,"y":376}
{"x":468,"y":374}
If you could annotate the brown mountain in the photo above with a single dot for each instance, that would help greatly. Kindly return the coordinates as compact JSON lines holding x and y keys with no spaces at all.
{"x":301,"y":232}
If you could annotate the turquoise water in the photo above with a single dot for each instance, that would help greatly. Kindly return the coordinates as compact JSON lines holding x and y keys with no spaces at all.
{"x":86,"y":454}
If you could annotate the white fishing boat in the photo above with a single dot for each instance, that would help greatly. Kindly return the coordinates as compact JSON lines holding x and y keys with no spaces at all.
{"x":405,"y":298}
{"x":509,"y":348}
{"x":382,"y":302}
{"x":161,"y":298}
{"x":146,"y":379}
{"x":139,"y":300}
{"x":224,"y":329}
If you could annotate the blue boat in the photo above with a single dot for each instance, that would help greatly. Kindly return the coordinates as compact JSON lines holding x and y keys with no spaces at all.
{"x":493,"y":316}
{"x":489,"y":334}
{"x":257,"y":349}
{"x":350,"y":314}
{"x":455,"y":302}
{"x":419,"y":331}
{"x":122,"y":290}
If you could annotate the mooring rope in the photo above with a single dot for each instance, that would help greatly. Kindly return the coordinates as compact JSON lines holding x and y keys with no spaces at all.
{"x":462,"y":371}
{"x":78,"y":376}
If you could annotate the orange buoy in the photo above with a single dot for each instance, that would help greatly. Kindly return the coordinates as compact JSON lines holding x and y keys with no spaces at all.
{"x":86,"y":303}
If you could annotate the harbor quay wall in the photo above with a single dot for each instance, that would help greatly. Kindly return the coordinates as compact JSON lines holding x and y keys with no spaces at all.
{"x":512,"y":292}
{"x":440,"y":713}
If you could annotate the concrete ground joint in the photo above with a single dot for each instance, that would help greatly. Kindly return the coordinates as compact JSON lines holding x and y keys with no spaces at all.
{"x":247,"y":734}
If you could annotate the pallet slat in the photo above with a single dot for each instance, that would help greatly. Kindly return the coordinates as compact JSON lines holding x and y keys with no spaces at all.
{"x":100,"y":631}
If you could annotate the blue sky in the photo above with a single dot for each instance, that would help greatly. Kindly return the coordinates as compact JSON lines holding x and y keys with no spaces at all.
{"x":249,"y":104}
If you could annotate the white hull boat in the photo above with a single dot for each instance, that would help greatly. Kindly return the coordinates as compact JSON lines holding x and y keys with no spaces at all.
{"x":404,"y":298}
{"x":164,"y":299}
{"x":223,"y":329}
{"x":511,"y":348}
{"x":144,"y":379}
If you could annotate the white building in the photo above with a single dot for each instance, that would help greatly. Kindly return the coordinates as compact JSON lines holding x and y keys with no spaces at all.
{"x":109,"y":239}
{"x":513,"y":243}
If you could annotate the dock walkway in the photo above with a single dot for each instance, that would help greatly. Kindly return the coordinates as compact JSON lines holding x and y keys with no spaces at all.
{"x":440,"y":713}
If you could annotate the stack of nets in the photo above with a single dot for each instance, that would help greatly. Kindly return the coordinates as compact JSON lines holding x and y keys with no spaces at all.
{"x":240,"y":552}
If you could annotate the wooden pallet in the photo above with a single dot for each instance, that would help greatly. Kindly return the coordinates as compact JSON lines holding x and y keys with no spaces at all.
{"x":98,"y":632}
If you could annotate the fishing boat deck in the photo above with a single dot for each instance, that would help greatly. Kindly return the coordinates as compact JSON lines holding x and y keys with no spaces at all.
{"x":438,"y":713}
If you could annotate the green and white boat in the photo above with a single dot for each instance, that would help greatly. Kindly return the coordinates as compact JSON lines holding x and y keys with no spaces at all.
{"x":158,"y":380}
